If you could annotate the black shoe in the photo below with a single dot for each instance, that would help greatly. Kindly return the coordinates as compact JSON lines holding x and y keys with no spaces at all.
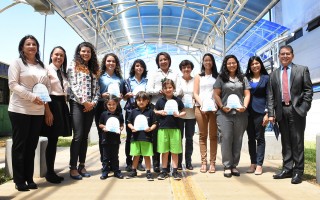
{"x":176,"y":175}
{"x":227,"y":174}
{"x":140,"y":167}
{"x":235,"y":172}
{"x":118,"y":175}
{"x":179,"y":166}
{"x":129,"y":168}
{"x":32,"y":186}
{"x":283,"y":174}
{"x":104,"y":175}
{"x":132,"y":174}
{"x":296,"y":179}
{"x":76,"y":177}
{"x":156,"y":169}
{"x":86,"y":174}
{"x":150,"y":177}
{"x":189,"y":166}
{"x":163,"y":175}
{"x":53,"y":178}
{"x":22,"y":187}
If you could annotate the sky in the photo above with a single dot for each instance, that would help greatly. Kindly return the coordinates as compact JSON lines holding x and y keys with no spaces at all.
{"x":21,"y":20}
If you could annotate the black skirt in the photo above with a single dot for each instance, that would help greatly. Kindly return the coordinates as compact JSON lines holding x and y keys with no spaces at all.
{"x":61,"y":118}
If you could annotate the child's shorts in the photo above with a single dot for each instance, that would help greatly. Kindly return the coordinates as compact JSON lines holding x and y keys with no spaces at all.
{"x":169,"y":140}
{"x":141,"y":148}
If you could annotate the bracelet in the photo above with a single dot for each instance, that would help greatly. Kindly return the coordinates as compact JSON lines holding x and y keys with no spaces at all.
{"x":245,"y":107}
{"x":221,"y":107}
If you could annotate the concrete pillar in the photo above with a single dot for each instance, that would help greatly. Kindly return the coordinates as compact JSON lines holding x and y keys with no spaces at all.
{"x":318,"y":157}
{"x":40,"y":166}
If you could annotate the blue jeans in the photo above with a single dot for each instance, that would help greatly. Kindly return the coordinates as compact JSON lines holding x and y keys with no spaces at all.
{"x":256,"y":139}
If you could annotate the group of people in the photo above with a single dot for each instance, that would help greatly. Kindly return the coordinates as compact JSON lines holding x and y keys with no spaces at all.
{"x":284,"y":97}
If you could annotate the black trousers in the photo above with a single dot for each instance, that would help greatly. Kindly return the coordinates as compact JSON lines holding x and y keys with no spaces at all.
{"x":292,"y":127}
{"x":256,"y":139}
{"x":187,"y":128}
{"x":81,"y":124}
{"x":25,"y":136}
{"x":110,"y":155}
{"x":51,"y":152}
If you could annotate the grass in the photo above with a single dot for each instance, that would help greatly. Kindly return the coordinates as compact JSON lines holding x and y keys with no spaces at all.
{"x":3,"y":176}
{"x":310,"y":161}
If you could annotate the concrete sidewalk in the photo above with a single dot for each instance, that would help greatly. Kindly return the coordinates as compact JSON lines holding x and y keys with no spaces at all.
{"x":194,"y":185}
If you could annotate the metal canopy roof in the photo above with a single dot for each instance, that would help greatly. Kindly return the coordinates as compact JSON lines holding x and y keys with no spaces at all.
{"x":141,"y":28}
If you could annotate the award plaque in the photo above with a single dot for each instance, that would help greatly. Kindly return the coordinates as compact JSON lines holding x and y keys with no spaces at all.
{"x":114,"y":89}
{"x":141,"y":123}
{"x":138,"y":89}
{"x":187,"y":101}
{"x":171,"y":107}
{"x":208,"y":104}
{"x":233,"y":102}
{"x":113,"y":125}
{"x":42,"y":92}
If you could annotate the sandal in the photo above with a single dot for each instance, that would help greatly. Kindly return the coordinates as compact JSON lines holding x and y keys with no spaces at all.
{"x":203,"y":169}
{"x":212,"y":168}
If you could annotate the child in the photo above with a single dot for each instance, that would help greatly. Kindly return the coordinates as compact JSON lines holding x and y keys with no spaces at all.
{"x":141,"y":141}
{"x":169,"y":135}
{"x":110,"y":140}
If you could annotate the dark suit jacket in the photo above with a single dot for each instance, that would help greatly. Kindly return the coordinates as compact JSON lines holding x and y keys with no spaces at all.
{"x":258,"y":98}
{"x":300,"y":91}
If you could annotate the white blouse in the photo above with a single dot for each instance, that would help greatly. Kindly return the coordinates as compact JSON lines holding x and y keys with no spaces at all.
{"x":56,"y":88}
{"x":206,"y":87}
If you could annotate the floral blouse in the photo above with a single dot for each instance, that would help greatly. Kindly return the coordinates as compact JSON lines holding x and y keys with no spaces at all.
{"x":82,"y":89}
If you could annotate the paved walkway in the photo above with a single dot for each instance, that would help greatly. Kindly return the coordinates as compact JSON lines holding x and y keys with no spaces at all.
{"x":194,"y":185}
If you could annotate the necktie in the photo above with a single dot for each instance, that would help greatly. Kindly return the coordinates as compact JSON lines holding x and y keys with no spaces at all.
{"x":60,"y":78}
{"x":285,"y":89}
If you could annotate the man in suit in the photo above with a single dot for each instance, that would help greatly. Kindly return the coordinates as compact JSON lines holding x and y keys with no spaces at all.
{"x":289,"y":100}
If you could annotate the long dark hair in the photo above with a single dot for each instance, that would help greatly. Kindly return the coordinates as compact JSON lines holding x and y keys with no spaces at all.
{"x":224,"y":73}
{"x":249,"y":73}
{"x":21,"y":53}
{"x":117,"y":70}
{"x":143,"y":65}
{"x":93,"y":62}
{"x":113,"y":98}
{"x":64,"y":64}
{"x":214,"y":66}
{"x":165,"y":54}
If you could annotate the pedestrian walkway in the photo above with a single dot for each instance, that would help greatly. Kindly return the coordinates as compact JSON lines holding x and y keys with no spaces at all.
{"x":194,"y":185}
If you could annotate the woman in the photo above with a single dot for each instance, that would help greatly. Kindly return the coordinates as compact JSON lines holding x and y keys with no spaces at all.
{"x":135,"y":83}
{"x":154,"y":88}
{"x":232,"y":122}
{"x":203,"y":88}
{"x":57,"y":116}
{"x":110,"y":73}
{"x":82,"y":75}
{"x":258,"y":114}
{"x":188,"y":122}
{"x":26,"y":110}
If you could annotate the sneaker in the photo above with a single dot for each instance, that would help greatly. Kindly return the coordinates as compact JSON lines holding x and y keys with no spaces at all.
{"x":104,"y":175}
{"x":149,"y":177}
{"x":162,"y":176}
{"x":118,"y":175}
{"x":132,"y":174}
{"x":156,"y":169}
{"x":179,"y":166}
{"x":140,"y":167}
{"x":176,"y":175}
{"x":129,"y":168}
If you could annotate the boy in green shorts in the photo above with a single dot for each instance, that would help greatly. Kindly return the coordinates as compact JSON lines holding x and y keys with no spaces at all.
{"x":141,"y":141}
{"x":169,"y":136}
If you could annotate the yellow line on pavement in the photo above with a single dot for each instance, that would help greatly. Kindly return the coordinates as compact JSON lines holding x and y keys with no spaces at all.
{"x":186,"y":189}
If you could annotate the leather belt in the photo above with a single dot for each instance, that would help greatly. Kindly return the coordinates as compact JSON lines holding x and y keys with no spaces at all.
{"x":286,"y":104}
